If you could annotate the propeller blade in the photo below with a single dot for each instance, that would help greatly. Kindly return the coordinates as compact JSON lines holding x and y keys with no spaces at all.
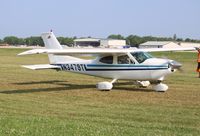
{"x":175,"y":65}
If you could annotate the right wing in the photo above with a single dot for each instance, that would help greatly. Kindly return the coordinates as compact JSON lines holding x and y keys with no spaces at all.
{"x":99,"y":51}
{"x":41,"y":66}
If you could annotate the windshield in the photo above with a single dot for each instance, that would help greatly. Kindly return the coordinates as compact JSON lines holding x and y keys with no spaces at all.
{"x":141,"y":56}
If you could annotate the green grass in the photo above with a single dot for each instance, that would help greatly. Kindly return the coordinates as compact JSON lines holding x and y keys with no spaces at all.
{"x":59,"y":103}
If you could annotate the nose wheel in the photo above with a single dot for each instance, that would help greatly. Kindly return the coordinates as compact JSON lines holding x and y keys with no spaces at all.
{"x":160,"y":87}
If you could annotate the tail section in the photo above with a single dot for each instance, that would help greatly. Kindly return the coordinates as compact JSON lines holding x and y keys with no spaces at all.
{"x":50,"y":41}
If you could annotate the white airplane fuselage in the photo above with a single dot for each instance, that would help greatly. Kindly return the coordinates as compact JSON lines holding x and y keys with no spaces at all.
{"x":151,"y":69}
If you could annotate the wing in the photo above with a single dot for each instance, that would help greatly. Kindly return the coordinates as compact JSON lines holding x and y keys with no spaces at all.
{"x":41,"y":66}
{"x":168,"y":49}
{"x":99,"y":51}
{"x":74,"y":51}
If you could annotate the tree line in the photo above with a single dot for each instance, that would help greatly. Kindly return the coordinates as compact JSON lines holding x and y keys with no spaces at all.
{"x":135,"y":40}
{"x":33,"y":41}
{"x":132,"y":40}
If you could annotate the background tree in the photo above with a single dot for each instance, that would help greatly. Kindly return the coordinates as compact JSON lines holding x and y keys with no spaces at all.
{"x":174,"y":37}
{"x":114,"y":36}
{"x":66,"y":41}
{"x":179,"y":39}
{"x":34,"y":40}
{"x":149,"y":38}
{"x":12,"y":40}
{"x":187,"y":40}
{"x":134,"y":40}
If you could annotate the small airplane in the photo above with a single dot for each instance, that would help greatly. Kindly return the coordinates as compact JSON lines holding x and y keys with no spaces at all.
{"x":116,"y":64}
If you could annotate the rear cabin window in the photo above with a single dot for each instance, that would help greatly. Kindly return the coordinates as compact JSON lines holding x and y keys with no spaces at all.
{"x":107,"y":60}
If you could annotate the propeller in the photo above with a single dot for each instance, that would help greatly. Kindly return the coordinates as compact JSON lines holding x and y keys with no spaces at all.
{"x":175,"y":65}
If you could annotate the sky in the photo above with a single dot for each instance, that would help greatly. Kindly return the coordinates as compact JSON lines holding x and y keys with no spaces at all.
{"x":100,"y":18}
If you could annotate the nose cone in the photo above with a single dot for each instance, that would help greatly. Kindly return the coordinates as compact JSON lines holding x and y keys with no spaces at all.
{"x":174,"y":64}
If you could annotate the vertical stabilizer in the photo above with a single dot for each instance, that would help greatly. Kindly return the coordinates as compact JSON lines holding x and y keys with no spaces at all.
{"x":50,"y":41}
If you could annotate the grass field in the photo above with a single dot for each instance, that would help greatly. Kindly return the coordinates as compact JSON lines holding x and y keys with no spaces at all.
{"x":39,"y":103}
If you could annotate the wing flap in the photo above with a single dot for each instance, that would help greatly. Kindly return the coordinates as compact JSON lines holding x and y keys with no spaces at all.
{"x":41,"y":66}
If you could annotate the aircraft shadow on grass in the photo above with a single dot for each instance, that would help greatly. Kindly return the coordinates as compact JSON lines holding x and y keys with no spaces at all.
{"x":64,"y":86}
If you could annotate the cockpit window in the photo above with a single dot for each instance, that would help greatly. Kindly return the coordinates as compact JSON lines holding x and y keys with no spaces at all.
{"x":107,"y":60}
{"x":124,"y":59}
{"x":141,"y":56}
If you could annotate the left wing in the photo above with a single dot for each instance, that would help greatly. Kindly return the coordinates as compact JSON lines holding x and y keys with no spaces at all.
{"x":99,"y":50}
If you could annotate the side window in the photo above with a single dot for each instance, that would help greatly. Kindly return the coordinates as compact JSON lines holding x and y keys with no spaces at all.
{"x":124,"y":60}
{"x":107,"y":60}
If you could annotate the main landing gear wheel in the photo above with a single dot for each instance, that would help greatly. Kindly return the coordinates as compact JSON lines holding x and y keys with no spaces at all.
{"x":105,"y":86}
{"x":160,"y":87}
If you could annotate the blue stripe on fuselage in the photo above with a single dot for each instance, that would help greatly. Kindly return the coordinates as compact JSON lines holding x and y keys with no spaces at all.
{"x":110,"y":67}
{"x":123,"y":67}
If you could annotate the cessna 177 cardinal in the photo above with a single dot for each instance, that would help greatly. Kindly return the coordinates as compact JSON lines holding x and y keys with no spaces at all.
{"x":129,"y":64}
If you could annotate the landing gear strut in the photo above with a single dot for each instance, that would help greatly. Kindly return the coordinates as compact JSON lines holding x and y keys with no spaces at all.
{"x":143,"y":84}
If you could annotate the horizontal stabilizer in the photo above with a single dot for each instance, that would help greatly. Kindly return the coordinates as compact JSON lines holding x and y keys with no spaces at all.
{"x":41,"y":66}
{"x":34,"y":51}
